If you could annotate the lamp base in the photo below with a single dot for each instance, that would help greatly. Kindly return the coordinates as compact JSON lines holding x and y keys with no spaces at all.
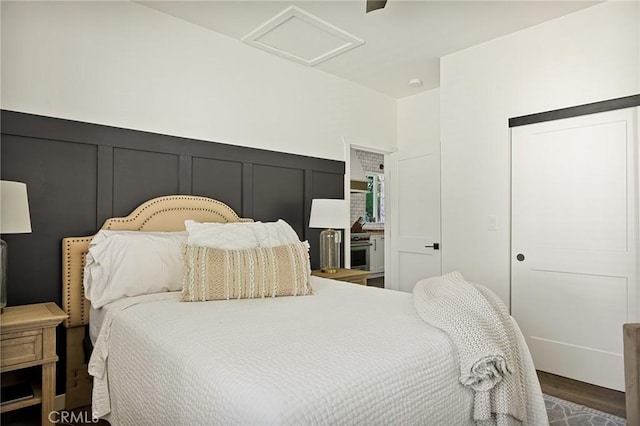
{"x":329,"y":250}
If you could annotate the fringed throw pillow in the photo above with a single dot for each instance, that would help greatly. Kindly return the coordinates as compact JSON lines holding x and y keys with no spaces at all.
{"x":217,"y":274}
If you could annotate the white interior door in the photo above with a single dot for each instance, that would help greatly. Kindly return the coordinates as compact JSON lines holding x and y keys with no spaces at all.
{"x":574,"y":242}
{"x":413,"y":218}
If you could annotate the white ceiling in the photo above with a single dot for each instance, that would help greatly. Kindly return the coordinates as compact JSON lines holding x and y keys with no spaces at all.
{"x":402,"y":41}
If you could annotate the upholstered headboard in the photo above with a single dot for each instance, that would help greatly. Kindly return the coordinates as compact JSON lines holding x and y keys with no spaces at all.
{"x":159,"y":214}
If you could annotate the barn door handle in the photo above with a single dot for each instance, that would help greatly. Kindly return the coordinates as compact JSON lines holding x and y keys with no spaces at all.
{"x":435,"y":246}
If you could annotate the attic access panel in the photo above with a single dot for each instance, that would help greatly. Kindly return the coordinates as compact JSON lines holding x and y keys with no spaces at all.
{"x":301,"y":37}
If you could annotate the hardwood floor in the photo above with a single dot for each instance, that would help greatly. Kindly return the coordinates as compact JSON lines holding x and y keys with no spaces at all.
{"x":603,"y":399}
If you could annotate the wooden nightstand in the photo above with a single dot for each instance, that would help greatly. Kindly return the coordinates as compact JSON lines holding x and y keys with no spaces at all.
{"x":29,"y":340}
{"x":355,"y":276}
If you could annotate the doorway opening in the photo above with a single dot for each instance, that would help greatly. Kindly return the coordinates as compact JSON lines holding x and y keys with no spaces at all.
{"x":368,"y":213}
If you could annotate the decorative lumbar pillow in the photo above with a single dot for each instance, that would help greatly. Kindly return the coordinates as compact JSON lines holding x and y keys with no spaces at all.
{"x":131,"y":263}
{"x":217,"y":274}
{"x":240,"y":235}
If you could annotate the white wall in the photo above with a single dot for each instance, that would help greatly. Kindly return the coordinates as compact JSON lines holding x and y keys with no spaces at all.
{"x":588,"y":56}
{"x":125,"y":65}
{"x":419,"y":120}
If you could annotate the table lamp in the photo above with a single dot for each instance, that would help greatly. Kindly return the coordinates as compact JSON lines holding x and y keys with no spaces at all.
{"x":329,"y":214}
{"x":14,"y":219}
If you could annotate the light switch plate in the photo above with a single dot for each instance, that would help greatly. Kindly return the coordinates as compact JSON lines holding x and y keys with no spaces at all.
{"x":492,"y":223}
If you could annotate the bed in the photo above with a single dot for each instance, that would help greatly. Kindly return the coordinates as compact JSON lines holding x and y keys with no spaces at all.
{"x":329,"y":358}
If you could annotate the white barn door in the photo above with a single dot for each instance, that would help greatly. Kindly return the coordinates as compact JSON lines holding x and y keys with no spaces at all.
{"x":413,"y":218}
{"x":575,"y":242}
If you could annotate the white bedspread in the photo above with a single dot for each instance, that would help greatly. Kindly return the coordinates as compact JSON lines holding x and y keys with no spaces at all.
{"x":346,"y":355}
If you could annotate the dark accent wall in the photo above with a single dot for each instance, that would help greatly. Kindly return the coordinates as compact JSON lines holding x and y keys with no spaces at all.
{"x":79,"y":174}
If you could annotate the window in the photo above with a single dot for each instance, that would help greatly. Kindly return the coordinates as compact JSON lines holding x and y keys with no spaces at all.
{"x":374,"y":202}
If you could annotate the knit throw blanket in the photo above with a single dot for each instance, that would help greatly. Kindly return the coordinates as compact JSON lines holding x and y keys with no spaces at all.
{"x":491,"y":350}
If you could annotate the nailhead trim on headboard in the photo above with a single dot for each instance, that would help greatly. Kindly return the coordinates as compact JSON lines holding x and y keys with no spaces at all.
{"x":163,"y":211}
{"x":74,"y":302}
{"x":220,"y":210}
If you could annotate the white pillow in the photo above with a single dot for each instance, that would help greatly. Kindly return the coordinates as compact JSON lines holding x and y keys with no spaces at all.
{"x":240,"y":235}
{"x":130,"y":263}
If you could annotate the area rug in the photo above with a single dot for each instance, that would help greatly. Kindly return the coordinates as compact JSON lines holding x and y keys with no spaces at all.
{"x":567,"y":413}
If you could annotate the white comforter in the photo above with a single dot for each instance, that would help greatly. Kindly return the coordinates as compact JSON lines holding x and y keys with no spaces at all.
{"x":346,"y":355}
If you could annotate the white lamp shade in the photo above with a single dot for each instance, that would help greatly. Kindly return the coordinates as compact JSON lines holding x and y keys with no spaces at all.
{"x":14,"y":208}
{"x":329,"y":213}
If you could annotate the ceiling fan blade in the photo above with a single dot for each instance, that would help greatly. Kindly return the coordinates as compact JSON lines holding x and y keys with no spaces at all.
{"x":375,"y":4}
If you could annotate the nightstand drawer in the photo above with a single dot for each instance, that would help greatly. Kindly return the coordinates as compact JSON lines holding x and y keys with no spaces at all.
{"x":25,"y":346}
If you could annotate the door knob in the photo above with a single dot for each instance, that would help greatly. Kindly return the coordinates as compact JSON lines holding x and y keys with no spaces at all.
{"x":520,"y":257}
{"x":435,"y":246}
